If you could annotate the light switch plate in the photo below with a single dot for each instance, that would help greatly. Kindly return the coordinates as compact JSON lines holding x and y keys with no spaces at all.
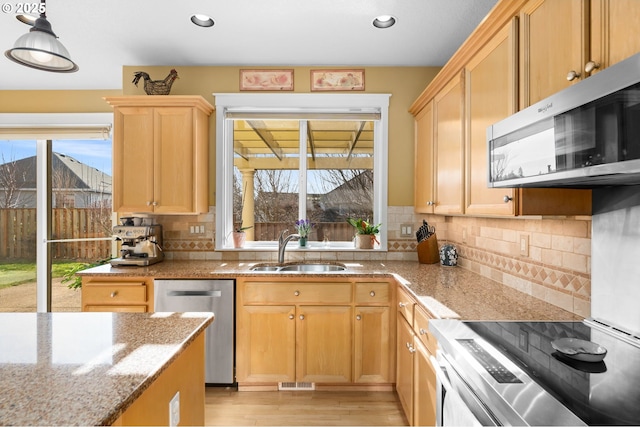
{"x":524,"y":244}
{"x":406,"y":230}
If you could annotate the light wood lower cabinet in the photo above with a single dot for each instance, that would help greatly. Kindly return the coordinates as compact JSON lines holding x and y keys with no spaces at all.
{"x":117,"y":294}
{"x":184,"y":375}
{"x":416,"y":377}
{"x":321,"y":331}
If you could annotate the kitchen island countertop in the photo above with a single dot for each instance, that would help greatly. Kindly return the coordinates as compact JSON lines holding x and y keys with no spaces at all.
{"x":85,"y":368}
{"x":445,"y":291}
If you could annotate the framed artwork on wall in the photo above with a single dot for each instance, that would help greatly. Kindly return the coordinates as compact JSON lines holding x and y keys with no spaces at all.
{"x":345,"y":80}
{"x":281,"y":80}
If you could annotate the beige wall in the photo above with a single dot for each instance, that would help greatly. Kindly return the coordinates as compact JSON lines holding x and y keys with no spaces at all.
{"x":403,"y":83}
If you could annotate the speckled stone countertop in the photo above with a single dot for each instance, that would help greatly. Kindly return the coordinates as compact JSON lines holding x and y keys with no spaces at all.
{"x":445,"y":291}
{"x":85,"y":368}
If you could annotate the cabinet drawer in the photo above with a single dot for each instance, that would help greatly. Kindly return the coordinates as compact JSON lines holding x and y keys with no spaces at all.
{"x":372,"y":293}
{"x":421,"y":328}
{"x":114,"y":293}
{"x":405,"y":305}
{"x":295,"y":293}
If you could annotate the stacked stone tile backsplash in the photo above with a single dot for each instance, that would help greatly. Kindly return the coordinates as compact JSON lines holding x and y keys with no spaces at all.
{"x":554,"y":265}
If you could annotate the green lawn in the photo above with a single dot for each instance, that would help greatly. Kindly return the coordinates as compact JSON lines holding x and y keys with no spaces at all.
{"x":12,"y":274}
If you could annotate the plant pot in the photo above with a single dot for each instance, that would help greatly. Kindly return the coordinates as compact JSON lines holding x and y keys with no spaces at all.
{"x":365,"y":241}
{"x":239,"y":238}
{"x":302,"y":242}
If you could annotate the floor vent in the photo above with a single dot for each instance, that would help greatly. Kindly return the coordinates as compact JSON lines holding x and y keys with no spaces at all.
{"x":293,"y":386}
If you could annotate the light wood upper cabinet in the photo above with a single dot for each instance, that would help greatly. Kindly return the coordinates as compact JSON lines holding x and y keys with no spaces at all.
{"x":160,"y":154}
{"x":611,"y":23}
{"x":552,"y":44}
{"x":565,"y":41}
{"x":423,"y":199}
{"x":449,"y":148}
{"x":491,"y":93}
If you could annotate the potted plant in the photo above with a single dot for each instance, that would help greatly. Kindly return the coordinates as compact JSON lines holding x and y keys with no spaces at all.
{"x":303,"y":227}
{"x":366,"y":233}
{"x":239,"y":237}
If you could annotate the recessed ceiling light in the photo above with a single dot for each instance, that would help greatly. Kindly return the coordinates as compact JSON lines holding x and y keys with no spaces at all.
{"x":202,"y":20}
{"x":384,"y":21}
{"x":27,"y":19}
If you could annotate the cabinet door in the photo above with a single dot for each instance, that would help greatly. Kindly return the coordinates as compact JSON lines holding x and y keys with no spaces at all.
{"x":490,"y":97}
{"x":611,"y":21}
{"x":174,"y":160}
{"x":553,"y":44}
{"x":133,"y":159}
{"x":449,"y":148}
{"x":323,"y":344}
{"x":423,"y":196}
{"x":265,"y":349}
{"x":373,"y":355}
{"x":404,"y":371}
{"x":424,"y":391}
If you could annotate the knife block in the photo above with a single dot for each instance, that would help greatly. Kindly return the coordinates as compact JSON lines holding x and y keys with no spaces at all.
{"x":428,"y":251}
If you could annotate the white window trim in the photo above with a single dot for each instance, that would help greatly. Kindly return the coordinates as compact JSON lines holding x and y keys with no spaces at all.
{"x":297,"y":102}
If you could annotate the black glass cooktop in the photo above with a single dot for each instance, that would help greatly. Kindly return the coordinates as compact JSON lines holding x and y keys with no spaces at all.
{"x":602,"y":393}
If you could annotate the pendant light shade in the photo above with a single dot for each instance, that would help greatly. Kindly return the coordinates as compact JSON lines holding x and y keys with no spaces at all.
{"x":40,"y":49}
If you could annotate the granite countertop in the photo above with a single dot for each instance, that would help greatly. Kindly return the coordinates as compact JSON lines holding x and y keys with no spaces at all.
{"x":85,"y":368}
{"x":446,"y":291}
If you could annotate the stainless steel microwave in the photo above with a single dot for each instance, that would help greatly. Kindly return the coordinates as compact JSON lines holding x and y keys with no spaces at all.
{"x":585,"y":136}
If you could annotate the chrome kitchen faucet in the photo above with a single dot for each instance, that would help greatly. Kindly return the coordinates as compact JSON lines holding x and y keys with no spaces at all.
{"x":282,"y":244}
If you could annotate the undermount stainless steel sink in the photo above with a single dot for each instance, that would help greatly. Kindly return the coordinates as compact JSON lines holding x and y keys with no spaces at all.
{"x":301,"y":267}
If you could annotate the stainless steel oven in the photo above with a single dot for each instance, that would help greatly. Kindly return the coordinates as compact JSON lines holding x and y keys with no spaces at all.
{"x":456,"y":403}
{"x":508,"y":373}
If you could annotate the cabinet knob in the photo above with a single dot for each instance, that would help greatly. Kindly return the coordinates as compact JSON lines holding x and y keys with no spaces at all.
{"x":148,"y":202}
{"x":507,"y":199}
{"x":372,"y":293}
{"x":411,"y":349}
{"x":358,"y":317}
{"x":572,"y":75}
{"x":155,"y":203}
{"x":590,"y":66}
{"x":431,"y":203}
{"x":291,"y":316}
{"x":402,"y":304}
{"x":113,"y":294}
{"x":302,"y":317}
{"x":296,"y":293}
{"x":422,"y":331}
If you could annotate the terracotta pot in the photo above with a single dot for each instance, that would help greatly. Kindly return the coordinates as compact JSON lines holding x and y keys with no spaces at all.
{"x":238,"y":239}
{"x":365,"y":241}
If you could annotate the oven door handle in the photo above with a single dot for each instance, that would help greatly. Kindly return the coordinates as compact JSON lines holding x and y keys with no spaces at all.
{"x":441,"y":374}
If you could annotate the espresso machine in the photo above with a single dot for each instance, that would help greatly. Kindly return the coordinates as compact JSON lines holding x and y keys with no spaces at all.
{"x":141,"y":244}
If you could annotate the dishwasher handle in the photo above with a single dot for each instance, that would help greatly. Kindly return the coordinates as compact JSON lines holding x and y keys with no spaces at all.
{"x":212,"y":294}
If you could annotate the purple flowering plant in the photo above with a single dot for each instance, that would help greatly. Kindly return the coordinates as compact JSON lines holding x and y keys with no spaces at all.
{"x":304,"y":226}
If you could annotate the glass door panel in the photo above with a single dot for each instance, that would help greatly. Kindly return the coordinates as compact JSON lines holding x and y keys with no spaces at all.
{"x":17,"y":225}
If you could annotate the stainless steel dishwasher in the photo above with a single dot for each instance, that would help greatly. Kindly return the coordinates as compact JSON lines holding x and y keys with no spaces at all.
{"x":216,"y":296}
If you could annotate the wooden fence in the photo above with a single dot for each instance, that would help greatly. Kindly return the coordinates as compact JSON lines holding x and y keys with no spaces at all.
{"x":333,"y":231}
{"x":18,"y":234}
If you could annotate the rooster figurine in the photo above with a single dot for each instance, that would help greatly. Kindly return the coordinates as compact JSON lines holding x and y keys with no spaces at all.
{"x":156,"y":87}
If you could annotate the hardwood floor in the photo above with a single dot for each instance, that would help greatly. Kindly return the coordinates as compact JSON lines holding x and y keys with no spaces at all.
{"x":228,"y":407}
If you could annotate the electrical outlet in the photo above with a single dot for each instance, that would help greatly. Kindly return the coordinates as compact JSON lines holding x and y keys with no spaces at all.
{"x":406,"y":230}
{"x":523,"y":340}
{"x":174,"y":410}
{"x":524,"y":245}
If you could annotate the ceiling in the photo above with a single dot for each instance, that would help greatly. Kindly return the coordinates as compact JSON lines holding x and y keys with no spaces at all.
{"x":104,"y":35}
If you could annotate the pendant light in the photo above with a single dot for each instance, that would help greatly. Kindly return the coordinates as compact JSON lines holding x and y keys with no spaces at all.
{"x":40,"y":48}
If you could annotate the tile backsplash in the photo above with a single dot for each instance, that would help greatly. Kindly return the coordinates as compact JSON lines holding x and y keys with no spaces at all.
{"x":549,"y":259}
